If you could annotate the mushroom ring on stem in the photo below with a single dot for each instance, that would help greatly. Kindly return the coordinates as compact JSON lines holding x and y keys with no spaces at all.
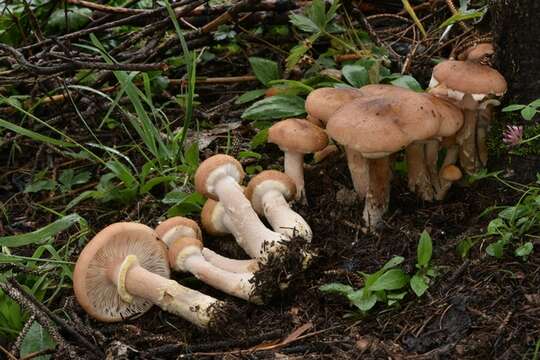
{"x":122,"y":272}
{"x":180,"y":227}
{"x":269,"y":193}
{"x":185,"y":254}
{"x":296,"y":137}
{"x":218,"y":178}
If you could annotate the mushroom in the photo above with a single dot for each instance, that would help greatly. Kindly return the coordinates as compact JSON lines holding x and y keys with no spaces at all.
{"x":123,"y":271}
{"x":269,"y":193}
{"x":478,"y":53}
{"x":377,"y":126}
{"x":296,"y":137}
{"x":218,"y":178}
{"x":180,"y":227}
{"x":185,"y":254}
{"x":471,"y":86}
{"x":448,"y":174}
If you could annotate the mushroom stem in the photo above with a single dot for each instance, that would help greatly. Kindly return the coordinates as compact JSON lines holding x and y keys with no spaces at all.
{"x":282,"y":218}
{"x":294,"y":167}
{"x":228,"y":264}
{"x":467,"y":138}
{"x":248,"y":230}
{"x":417,"y":171}
{"x":378,"y":194}
{"x":481,"y":136}
{"x":189,"y":304}
{"x":432,"y":157}
{"x":452,"y":154}
{"x":358,"y":167}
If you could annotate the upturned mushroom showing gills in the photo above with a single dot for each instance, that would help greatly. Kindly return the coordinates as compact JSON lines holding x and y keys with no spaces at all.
{"x":472,"y":87}
{"x":378,"y":126}
{"x":218,"y":178}
{"x":185,"y":254}
{"x":180,"y":227}
{"x":269,"y":193}
{"x":296,"y":137}
{"x":123,"y":271}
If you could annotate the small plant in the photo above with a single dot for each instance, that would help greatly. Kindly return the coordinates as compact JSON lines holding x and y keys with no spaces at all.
{"x":390,"y":284}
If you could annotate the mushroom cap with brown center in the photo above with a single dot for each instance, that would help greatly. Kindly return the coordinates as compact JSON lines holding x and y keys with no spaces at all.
{"x":323,"y":103}
{"x":380,"y":125}
{"x":451,"y":173}
{"x":297,"y":135}
{"x":477,"y":53}
{"x":218,"y":164}
{"x":94,"y":290}
{"x":177,"y":227}
{"x":269,"y":180}
{"x":469,"y":78}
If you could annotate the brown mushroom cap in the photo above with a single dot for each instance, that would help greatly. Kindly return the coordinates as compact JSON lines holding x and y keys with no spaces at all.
{"x":208,"y":215}
{"x":470,"y":78}
{"x":477,"y":53}
{"x":323,"y":103}
{"x":96,"y":293}
{"x":270,"y":179}
{"x":297,"y":135}
{"x":384,"y":90}
{"x":377,"y":126}
{"x":452,"y":117}
{"x":451,"y":173}
{"x":206,"y":168}
{"x":179,"y":245}
{"x":181,"y":224}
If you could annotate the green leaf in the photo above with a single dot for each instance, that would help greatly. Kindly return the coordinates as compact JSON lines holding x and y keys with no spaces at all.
{"x":496,"y":226}
{"x":33,"y":135}
{"x":393,"y":262}
{"x":496,"y":249}
{"x":464,"y":246}
{"x":40,"y":185}
{"x":524,"y":250}
{"x":418,"y":285}
{"x":337,"y":288}
{"x":425,"y":249}
{"x":37,"y":339}
{"x":275,"y":107}
{"x":514,"y":107}
{"x":42,"y":234}
{"x":191,"y":155}
{"x":528,"y":112}
{"x":303,"y":23}
{"x":391,"y":280}
{"x":250,"y":96}
{"x":249,"y":154}
{"x":68,"y":178}
{"x":362,"y":299}
{"x":76,"y":18}
{"x":408,"y":82}
{"x":356,"y":75}
{"x":150,"y":184}
{"x":462,"y":16}
{"x":265,"y":70}
{"x":189,"y":204}
{"x":295,"y":54}
{"x":535,"y":103}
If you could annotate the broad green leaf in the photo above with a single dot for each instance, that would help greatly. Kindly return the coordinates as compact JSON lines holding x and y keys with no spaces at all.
{"x":40,"y":185}
{"x":424,"y":249}
{"x":396,"y":295}
{"x":408,"y":82}
{"x":250,"y":96}
{"x":496,"y":249}
{"x":418,"y":285}
{"x":189,"y":204}
{"x":337,"y":288}
{"x":37,"y":339}
{"x":356,"y":75}
{"x":303,"y":23}
{"x":464,"y":246}
{"x":495,"y":226}
{"x":42,"y":234}
{"x":362,"y":299}
{"x":513,"y":107}
{"x":528,"y":112}
{"x":265,"y":70}
{"x":391,"y":280}
{"x":249,"y":154}
{"x":395,"y":261}
{"x":191,"y":155}
{"x":535,"y":103}
{"x":524,"y":250}
{"x":259,"y":139}
{"x":275,"y":107}
{"x":68,"y":178}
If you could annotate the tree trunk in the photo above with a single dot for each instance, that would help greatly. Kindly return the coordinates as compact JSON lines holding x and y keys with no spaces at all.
{"x":516,"y":33}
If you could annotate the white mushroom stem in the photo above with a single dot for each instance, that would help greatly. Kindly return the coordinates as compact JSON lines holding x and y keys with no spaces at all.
{"x":132,"y":279}
{"x":378,"y":194}
{"x":228,"y":264}
{"x":359,"y":169}
{"x":250,"y":233}
{"x":417,"y":171}
{"x":282,"y":218}
{"x":294,"y":167}
{"x":235,"y":284}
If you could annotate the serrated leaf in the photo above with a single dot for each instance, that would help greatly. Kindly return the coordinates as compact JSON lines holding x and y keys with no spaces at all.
{"x":250,"y":96}
{"x":356,"y":75}
{"x":337,"y":288}
{"x":275,"y":107}
{"x":408,"y":82}
{"x":424,"y":249}
{"x":391,"y":280}
{"x":418,"y":285}
{"x":265,"y":70}
{"x":303,"y":23}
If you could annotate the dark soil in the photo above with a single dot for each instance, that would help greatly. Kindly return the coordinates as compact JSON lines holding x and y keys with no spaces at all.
{"x":479,"y":307}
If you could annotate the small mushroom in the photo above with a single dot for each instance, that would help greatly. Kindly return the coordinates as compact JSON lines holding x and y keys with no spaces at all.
{"x":185,"y":254}
{"x":448,"y":175}
{"x":269,"y":193}
{"x":180,"y":227}
{"x":123,"y":271}
{"x":218,"y":178}
{"x":478,"y":53}
{"x":296,"y":137}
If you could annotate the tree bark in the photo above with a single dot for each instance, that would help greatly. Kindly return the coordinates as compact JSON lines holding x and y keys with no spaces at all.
{"x":516,"y":33}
